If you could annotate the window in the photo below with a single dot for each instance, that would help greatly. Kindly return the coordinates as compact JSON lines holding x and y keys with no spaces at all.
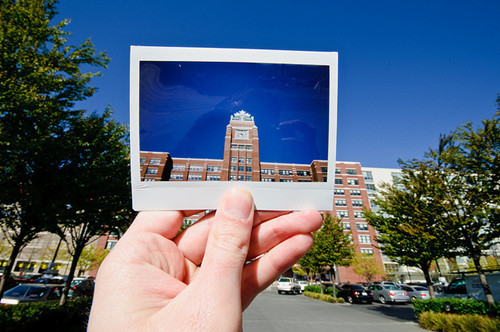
{"x":353,"y":182}
{"x":176,"y":177}
{"x":350,"y":171}
{"x":149,"y":179}
{"x":234,"y":146}
{"x":249,"y":160}
{"x":340,"y":202}
{"x":337,"y":170}
{"x":194,"y":177}
{"x":370,"y":187}
{"x":324,"y":169}
{"x":325,"y":179}
{"x":152,"y":170}
{"x":233,"y":168}
{"x":346,"y":226}
{"x":241,"y":168}
{"x":358,"y":215}
{"x":286,"y":180}
{"x":143,"y":160}
{"x":214,"y":168}
{"x":357,"y":202}
{"x":267,"y":180}
{"x":234,"y":160}
{"x":364,"y":239}
{"x":355,"y":192}
{"x":195,"y":168}
{"x":249,"y":147}
{"x":361,"y":226}
{"x":241,"y":160}
{"x":285,"y":172}
{"x":241,"y":147}
{"x":248,"y":178}
{"x":339,"y":192}
{"x":178,"y":168}
{"x":303,"y":173}
{"x":267,"y":171}
{"x":154,"y":161}
{"x":368,"y":175}
{"x":213,"y":177}
{"x":240,"y":177}
{"x":249,"y":168}
{"x":367,"y":251}
{"x":232,"y":177}
{"x":110,"y":244}
{"x":342,"y":214}
{"x":338,"y":181}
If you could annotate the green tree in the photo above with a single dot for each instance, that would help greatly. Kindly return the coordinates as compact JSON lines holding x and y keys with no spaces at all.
{"x":332,"y":247}
{"x":90,"y":258}
{"x":409,"y":218}
{"x":366,"y":266}
{"x":472,"y":163}
{"x":98,"y":183}
{"x":40,"y":80}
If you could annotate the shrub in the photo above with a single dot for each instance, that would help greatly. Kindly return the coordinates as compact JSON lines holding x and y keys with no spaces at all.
{"x":73,"y":316}
{"x":313,"y":288}
{"x":340,"y":300}
{"x":454,"y":305}
{"x":437,"y":321}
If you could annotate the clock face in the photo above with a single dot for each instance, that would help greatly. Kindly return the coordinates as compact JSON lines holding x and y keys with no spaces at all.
{"x":241,"y":134}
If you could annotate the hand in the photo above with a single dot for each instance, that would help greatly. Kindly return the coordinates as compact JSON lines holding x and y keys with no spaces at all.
{"x":201,"y":279}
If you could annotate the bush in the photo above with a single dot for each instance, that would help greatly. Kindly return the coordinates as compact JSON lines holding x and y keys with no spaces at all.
{"x":71,"y":317}
{"x":437,"y":321}
{"x":454,"y":305}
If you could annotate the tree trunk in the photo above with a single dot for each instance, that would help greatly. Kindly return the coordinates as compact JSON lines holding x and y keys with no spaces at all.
{"x":428,"y":280}
{"x":333,"y":278}
{"x":78,"y":251}
{"x":10,"y":264}
{"x":484,"y":282}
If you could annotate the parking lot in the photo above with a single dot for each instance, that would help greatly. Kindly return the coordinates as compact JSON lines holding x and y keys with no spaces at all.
{"x":273,"y":312}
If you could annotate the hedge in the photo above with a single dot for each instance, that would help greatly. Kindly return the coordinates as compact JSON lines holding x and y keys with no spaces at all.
{"x":317,"y":289}
{"x":437,"y":321}
{"x":323,"y":297}
{"x":43,"y":316}
{"x":456,"y":306}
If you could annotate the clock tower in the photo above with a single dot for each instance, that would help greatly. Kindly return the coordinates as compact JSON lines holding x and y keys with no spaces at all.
{"x":241,"y":149}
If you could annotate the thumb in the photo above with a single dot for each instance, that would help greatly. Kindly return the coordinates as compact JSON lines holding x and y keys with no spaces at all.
{"x":229,"y":237}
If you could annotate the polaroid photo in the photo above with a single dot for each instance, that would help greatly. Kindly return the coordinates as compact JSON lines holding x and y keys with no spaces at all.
{"x":204,"y":120}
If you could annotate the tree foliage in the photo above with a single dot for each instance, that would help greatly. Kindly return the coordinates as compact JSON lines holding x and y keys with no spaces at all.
{"x":40,"y":80}
{"x":366,"y":266}
{"x":331,"y":247}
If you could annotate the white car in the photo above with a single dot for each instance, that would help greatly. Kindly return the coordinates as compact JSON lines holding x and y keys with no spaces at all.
{"x":302,"y":284}
{"x":288,"y":285}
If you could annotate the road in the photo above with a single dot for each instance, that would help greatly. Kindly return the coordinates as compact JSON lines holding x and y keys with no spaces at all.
{"x":275,"y":313}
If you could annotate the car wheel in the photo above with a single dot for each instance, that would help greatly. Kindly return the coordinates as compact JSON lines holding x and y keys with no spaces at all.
{"x":279,"y":292}
{"x":382,"y":299}
{"x":369,"y":302}
{"x":413,"y":298}
{"x":350,"y":299}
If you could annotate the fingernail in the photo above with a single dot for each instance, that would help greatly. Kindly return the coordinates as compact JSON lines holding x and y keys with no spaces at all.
{"x":238,"y":204}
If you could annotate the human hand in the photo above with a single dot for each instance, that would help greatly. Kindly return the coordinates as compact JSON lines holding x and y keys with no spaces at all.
{"x":199,"y":280}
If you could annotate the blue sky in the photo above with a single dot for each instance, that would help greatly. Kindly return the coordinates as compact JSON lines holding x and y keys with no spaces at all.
{"x":186,"y":106}
{"x":408,"y":70}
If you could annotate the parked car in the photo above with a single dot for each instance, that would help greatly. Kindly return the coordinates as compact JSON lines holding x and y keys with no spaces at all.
{"x":302,"y":284}
{"x":390,"y":283}
{"x":355,"y":294}
{"x":416,"y":292}
{"x":49,"y":280}
{"x":388,"y":293}
{"x":32,"y":293}
{"x":82,"y":286}
{"x":288,"y":285}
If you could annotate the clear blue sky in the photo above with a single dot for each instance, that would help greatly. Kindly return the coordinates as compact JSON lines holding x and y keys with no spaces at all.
{"x":408,"y":70}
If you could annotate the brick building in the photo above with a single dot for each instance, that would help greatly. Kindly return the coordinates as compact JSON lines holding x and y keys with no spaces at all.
{"x":241,"y":162}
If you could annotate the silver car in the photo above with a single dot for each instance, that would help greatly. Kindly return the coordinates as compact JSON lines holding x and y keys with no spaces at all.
{"x":389,"y":293}
{"x":416,"y":292}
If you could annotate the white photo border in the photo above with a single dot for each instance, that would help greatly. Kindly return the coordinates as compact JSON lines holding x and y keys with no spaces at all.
{"x":202,"y":195}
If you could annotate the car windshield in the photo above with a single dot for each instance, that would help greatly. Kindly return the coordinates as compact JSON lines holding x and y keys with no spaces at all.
{"x":18,"y":291}
{"x":357,"y":287}
{"x":285,"y":280}
{"x":420,"y":288}
{"x":391,"y":287}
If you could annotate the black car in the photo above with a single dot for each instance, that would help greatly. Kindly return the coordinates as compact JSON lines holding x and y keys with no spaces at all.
{"x":355,"y":294}
{"x":32,"y":293}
